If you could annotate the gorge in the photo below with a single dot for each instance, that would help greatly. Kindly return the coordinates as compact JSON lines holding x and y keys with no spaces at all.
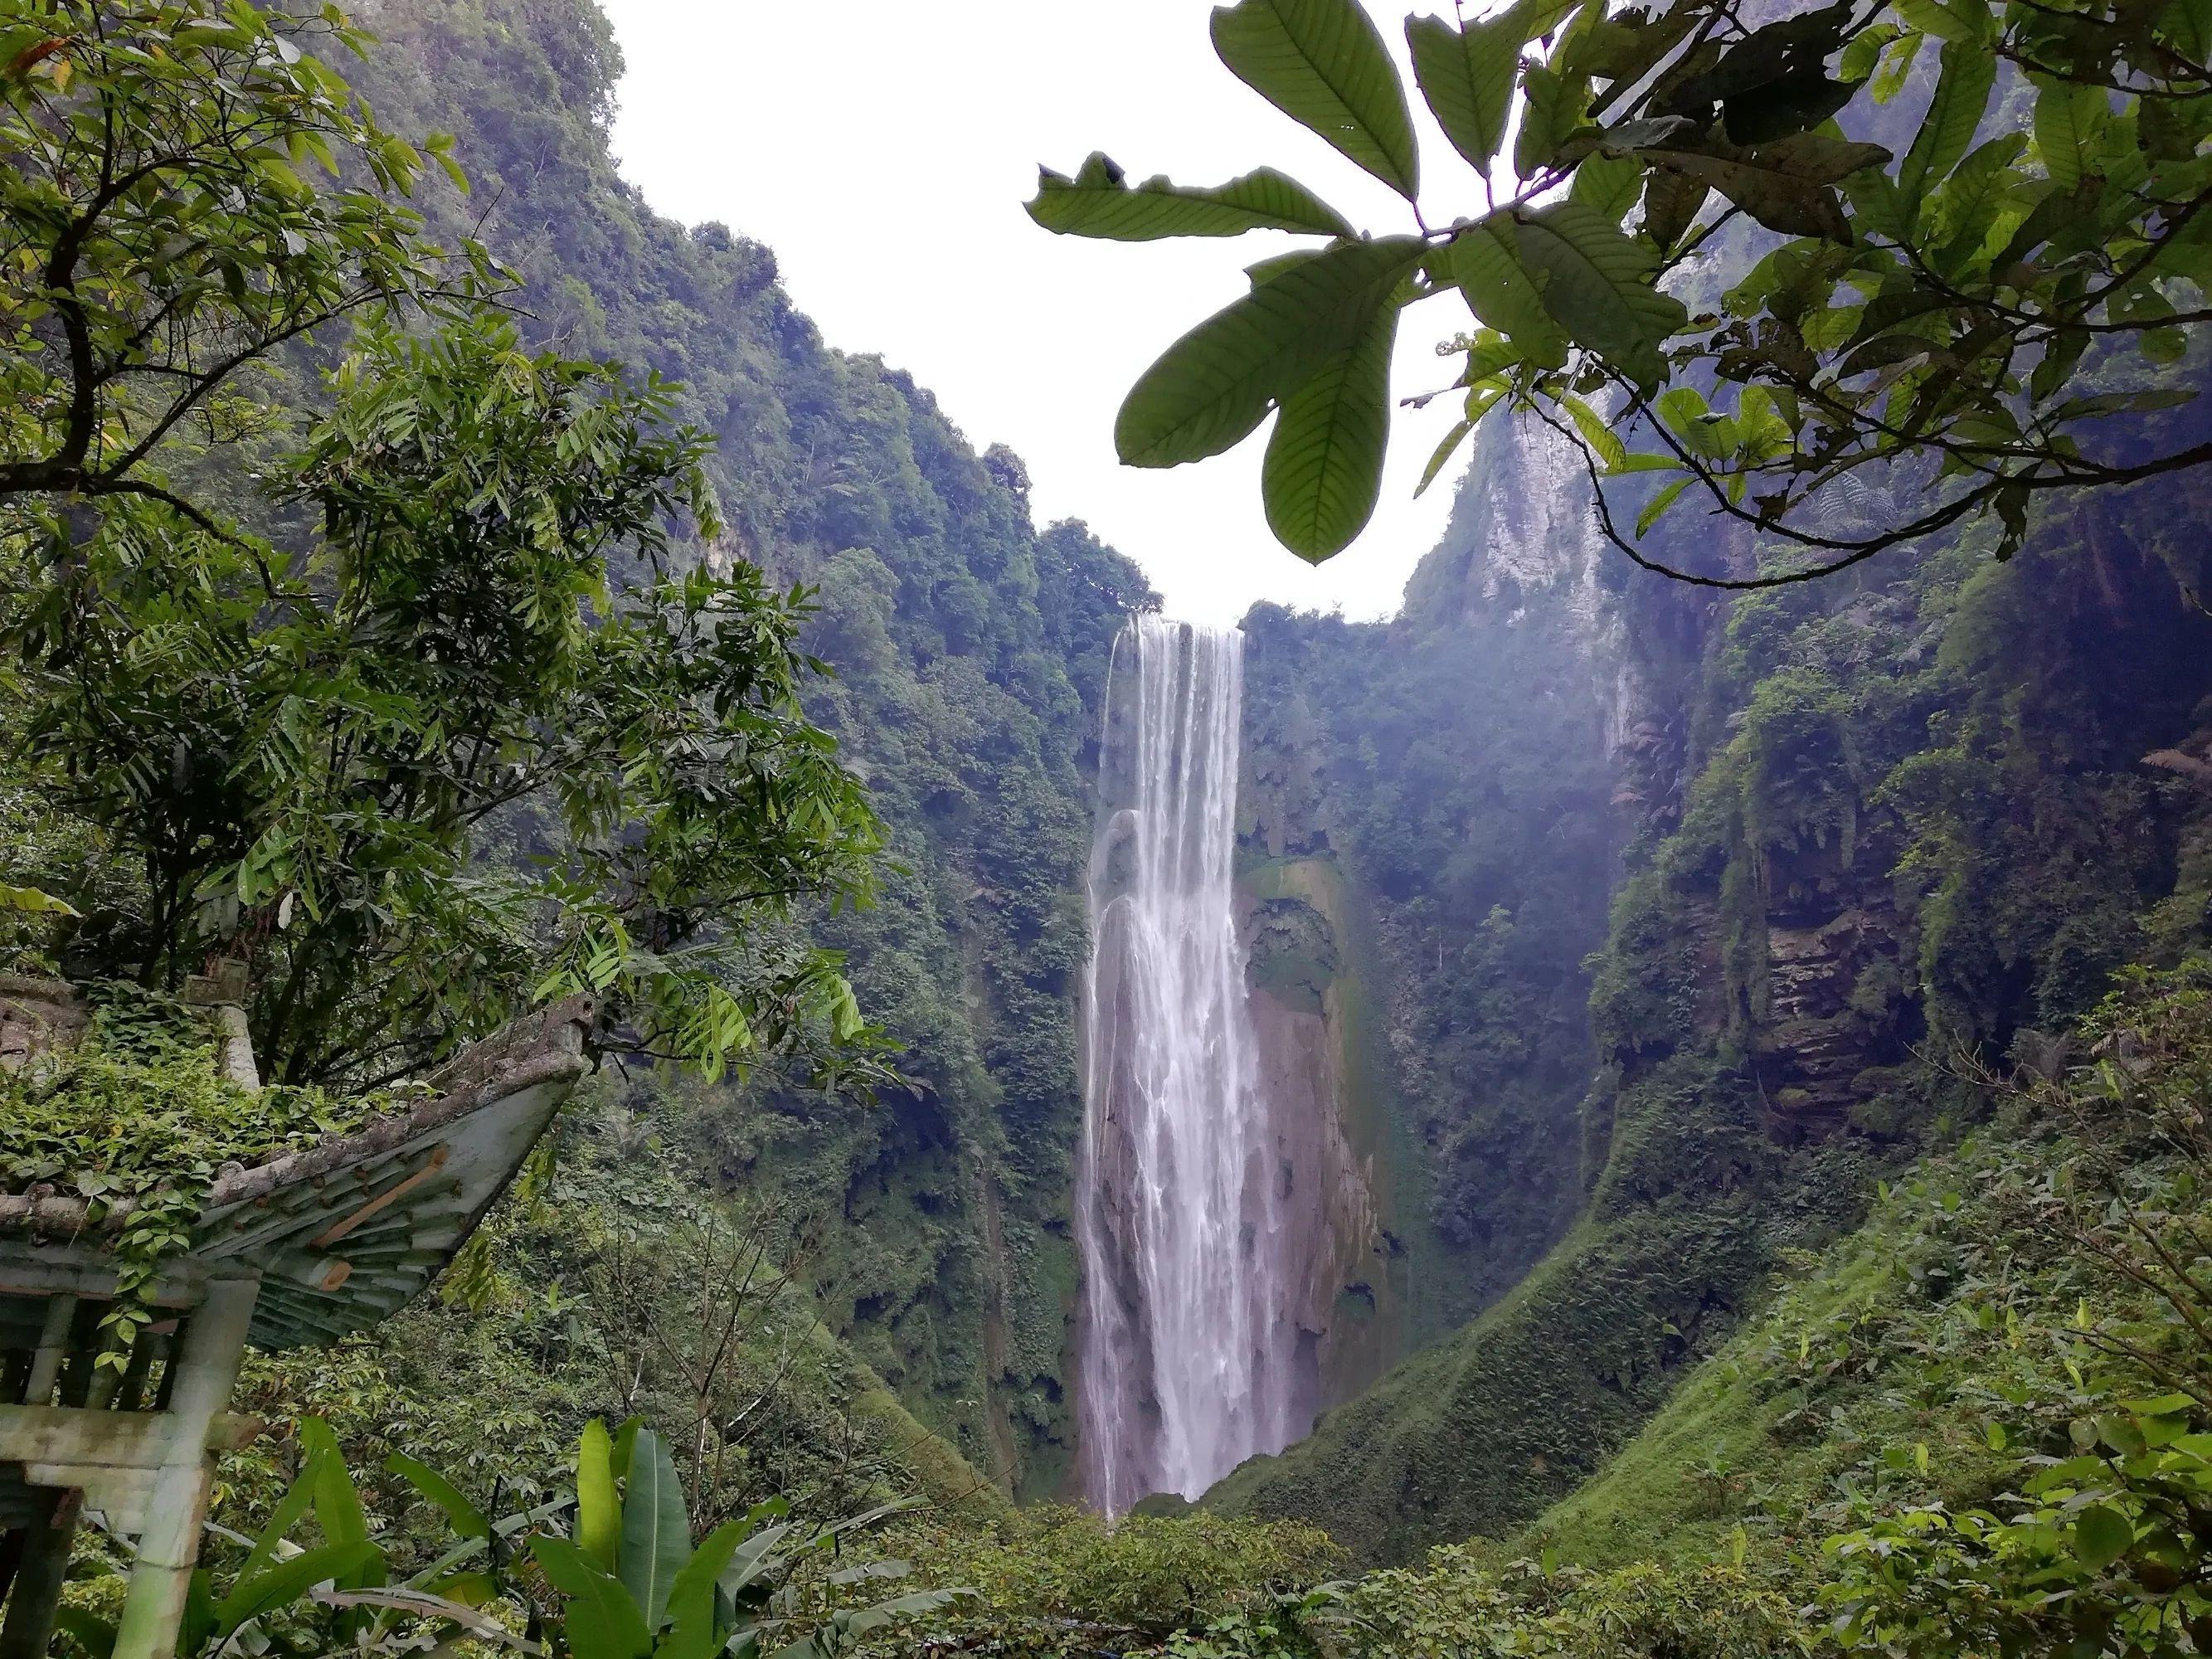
{"x":1576,"y":1074}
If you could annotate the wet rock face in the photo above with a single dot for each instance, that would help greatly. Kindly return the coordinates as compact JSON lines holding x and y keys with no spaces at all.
{"x":1339,"y":1296}
{"x":1327,"y":1209}
{"x":1832,"y":1025}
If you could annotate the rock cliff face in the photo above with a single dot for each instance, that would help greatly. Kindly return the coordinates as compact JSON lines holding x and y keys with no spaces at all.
{"x":1838,"y":826}
{"x":1304,"y":958}
{"x":1430,"y":820}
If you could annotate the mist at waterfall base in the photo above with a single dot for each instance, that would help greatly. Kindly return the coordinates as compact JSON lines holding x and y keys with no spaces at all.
{"x":1189,"y":1355}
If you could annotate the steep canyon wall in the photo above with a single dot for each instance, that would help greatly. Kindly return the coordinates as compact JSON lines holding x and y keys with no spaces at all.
{"x":971,"y":645}
{"x":1845,"y":828}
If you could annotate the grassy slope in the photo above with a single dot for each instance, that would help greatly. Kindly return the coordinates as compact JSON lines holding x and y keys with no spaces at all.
{"x":1732,"y":1448}
{"x":1921,"y":1358}
{"x":1486,"y":1430}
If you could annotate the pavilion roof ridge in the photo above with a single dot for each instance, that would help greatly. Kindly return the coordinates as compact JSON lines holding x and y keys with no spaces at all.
{"x":544,"y":1046}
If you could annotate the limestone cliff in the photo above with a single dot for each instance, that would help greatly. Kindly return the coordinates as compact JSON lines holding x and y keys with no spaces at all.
{"x":1845,"y":829}
{"x":1430,"y":820}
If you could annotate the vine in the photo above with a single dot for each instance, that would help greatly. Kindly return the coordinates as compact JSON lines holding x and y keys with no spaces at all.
{"x":139,"y":1114}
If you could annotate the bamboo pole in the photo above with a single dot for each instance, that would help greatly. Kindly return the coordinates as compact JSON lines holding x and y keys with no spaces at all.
{"x":204,"y":1369}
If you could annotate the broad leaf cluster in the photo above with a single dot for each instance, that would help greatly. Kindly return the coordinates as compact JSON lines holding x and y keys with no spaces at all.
{"x":1690,"y":268}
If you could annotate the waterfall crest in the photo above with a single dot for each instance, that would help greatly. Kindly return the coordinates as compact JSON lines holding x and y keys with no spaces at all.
{"x":1188,"y":1356}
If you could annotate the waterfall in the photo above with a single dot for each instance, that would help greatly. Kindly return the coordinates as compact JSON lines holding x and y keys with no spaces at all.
{"x":1188,"y":1346}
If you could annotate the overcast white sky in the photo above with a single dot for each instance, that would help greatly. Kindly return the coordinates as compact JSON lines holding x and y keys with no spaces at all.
{"x":884,"y":149}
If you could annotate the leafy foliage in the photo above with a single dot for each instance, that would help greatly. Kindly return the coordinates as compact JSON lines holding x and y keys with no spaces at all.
{"x":631,"y":1584}
{"x":161,"y":234}
{"x":1921,"y":316}
{"x":138,"y":1117}
{"x":319,"y":771}
{"x":1054,"y":1582}
{"x":534,"y":1581}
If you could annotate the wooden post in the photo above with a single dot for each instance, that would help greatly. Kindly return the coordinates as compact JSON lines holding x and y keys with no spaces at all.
{"x":206,"y":1369}
{"x":29,"y":1631}
{"x":31,"y":1582}
{"x":53,"y":1343}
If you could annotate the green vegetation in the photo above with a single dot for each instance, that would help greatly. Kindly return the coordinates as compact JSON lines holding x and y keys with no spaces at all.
{"x":1916,"y":315}
{"x":1974,"y":1424}
{"x":970,"y":646}
{"x":163,"y":240}
{"x":142,"y":1097}
{"x":1054,"y":1582}
{"x":138,"y":1117}
{"x":304,"y":722}
{"x":629,"y":1583}
{"x":1789,"y":1284}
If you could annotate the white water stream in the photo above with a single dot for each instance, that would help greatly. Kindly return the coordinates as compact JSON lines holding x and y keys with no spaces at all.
{"x":1186,"y":1337}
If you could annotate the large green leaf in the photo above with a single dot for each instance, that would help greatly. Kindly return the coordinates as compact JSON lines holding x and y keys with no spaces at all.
{"x":1596,"y":281}
{"x":1968,"y":22}
{"x":1099,"y":201}
{"x":692,"y":1603}
{"x":199,"y":1625}
{"x":598,"y":1511}
{"x":288,"y":1581}
{"x":1466,"y":74}
{"x":1552,"y":111}
{"x":290,"y":1508}
{"x":1968,"y":205}
{"x":599,"y":1617}
{"x":1671,"y":201}
{"x":1323,"y":471}
{"x":1787,"y":184}
{"x":1210,"y":388}
{"x":656,"y":1530}
{"x":337,"y":1504}
{"x":32,"y":899}
{"x":1483,"y":260}
{"x":1656,"y":508}
{"x":95,"y":1635}
{"x":2069,"y":119}
{"x":1863,"y":50}
{"x":1595,"y":432}
{"x":1608,"y":183}
{"x":1443,"y":454}
{"x":618,"y":1460}
{"x":1322,"y":64}
{"x":1969,"y":70}
{"x":2101,"y":1536}
{"x":1623,"y":49}
{"x":465,"y":1518}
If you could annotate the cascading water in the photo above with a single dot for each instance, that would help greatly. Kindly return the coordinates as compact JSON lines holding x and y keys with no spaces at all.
{"x":1188,"y":1343}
